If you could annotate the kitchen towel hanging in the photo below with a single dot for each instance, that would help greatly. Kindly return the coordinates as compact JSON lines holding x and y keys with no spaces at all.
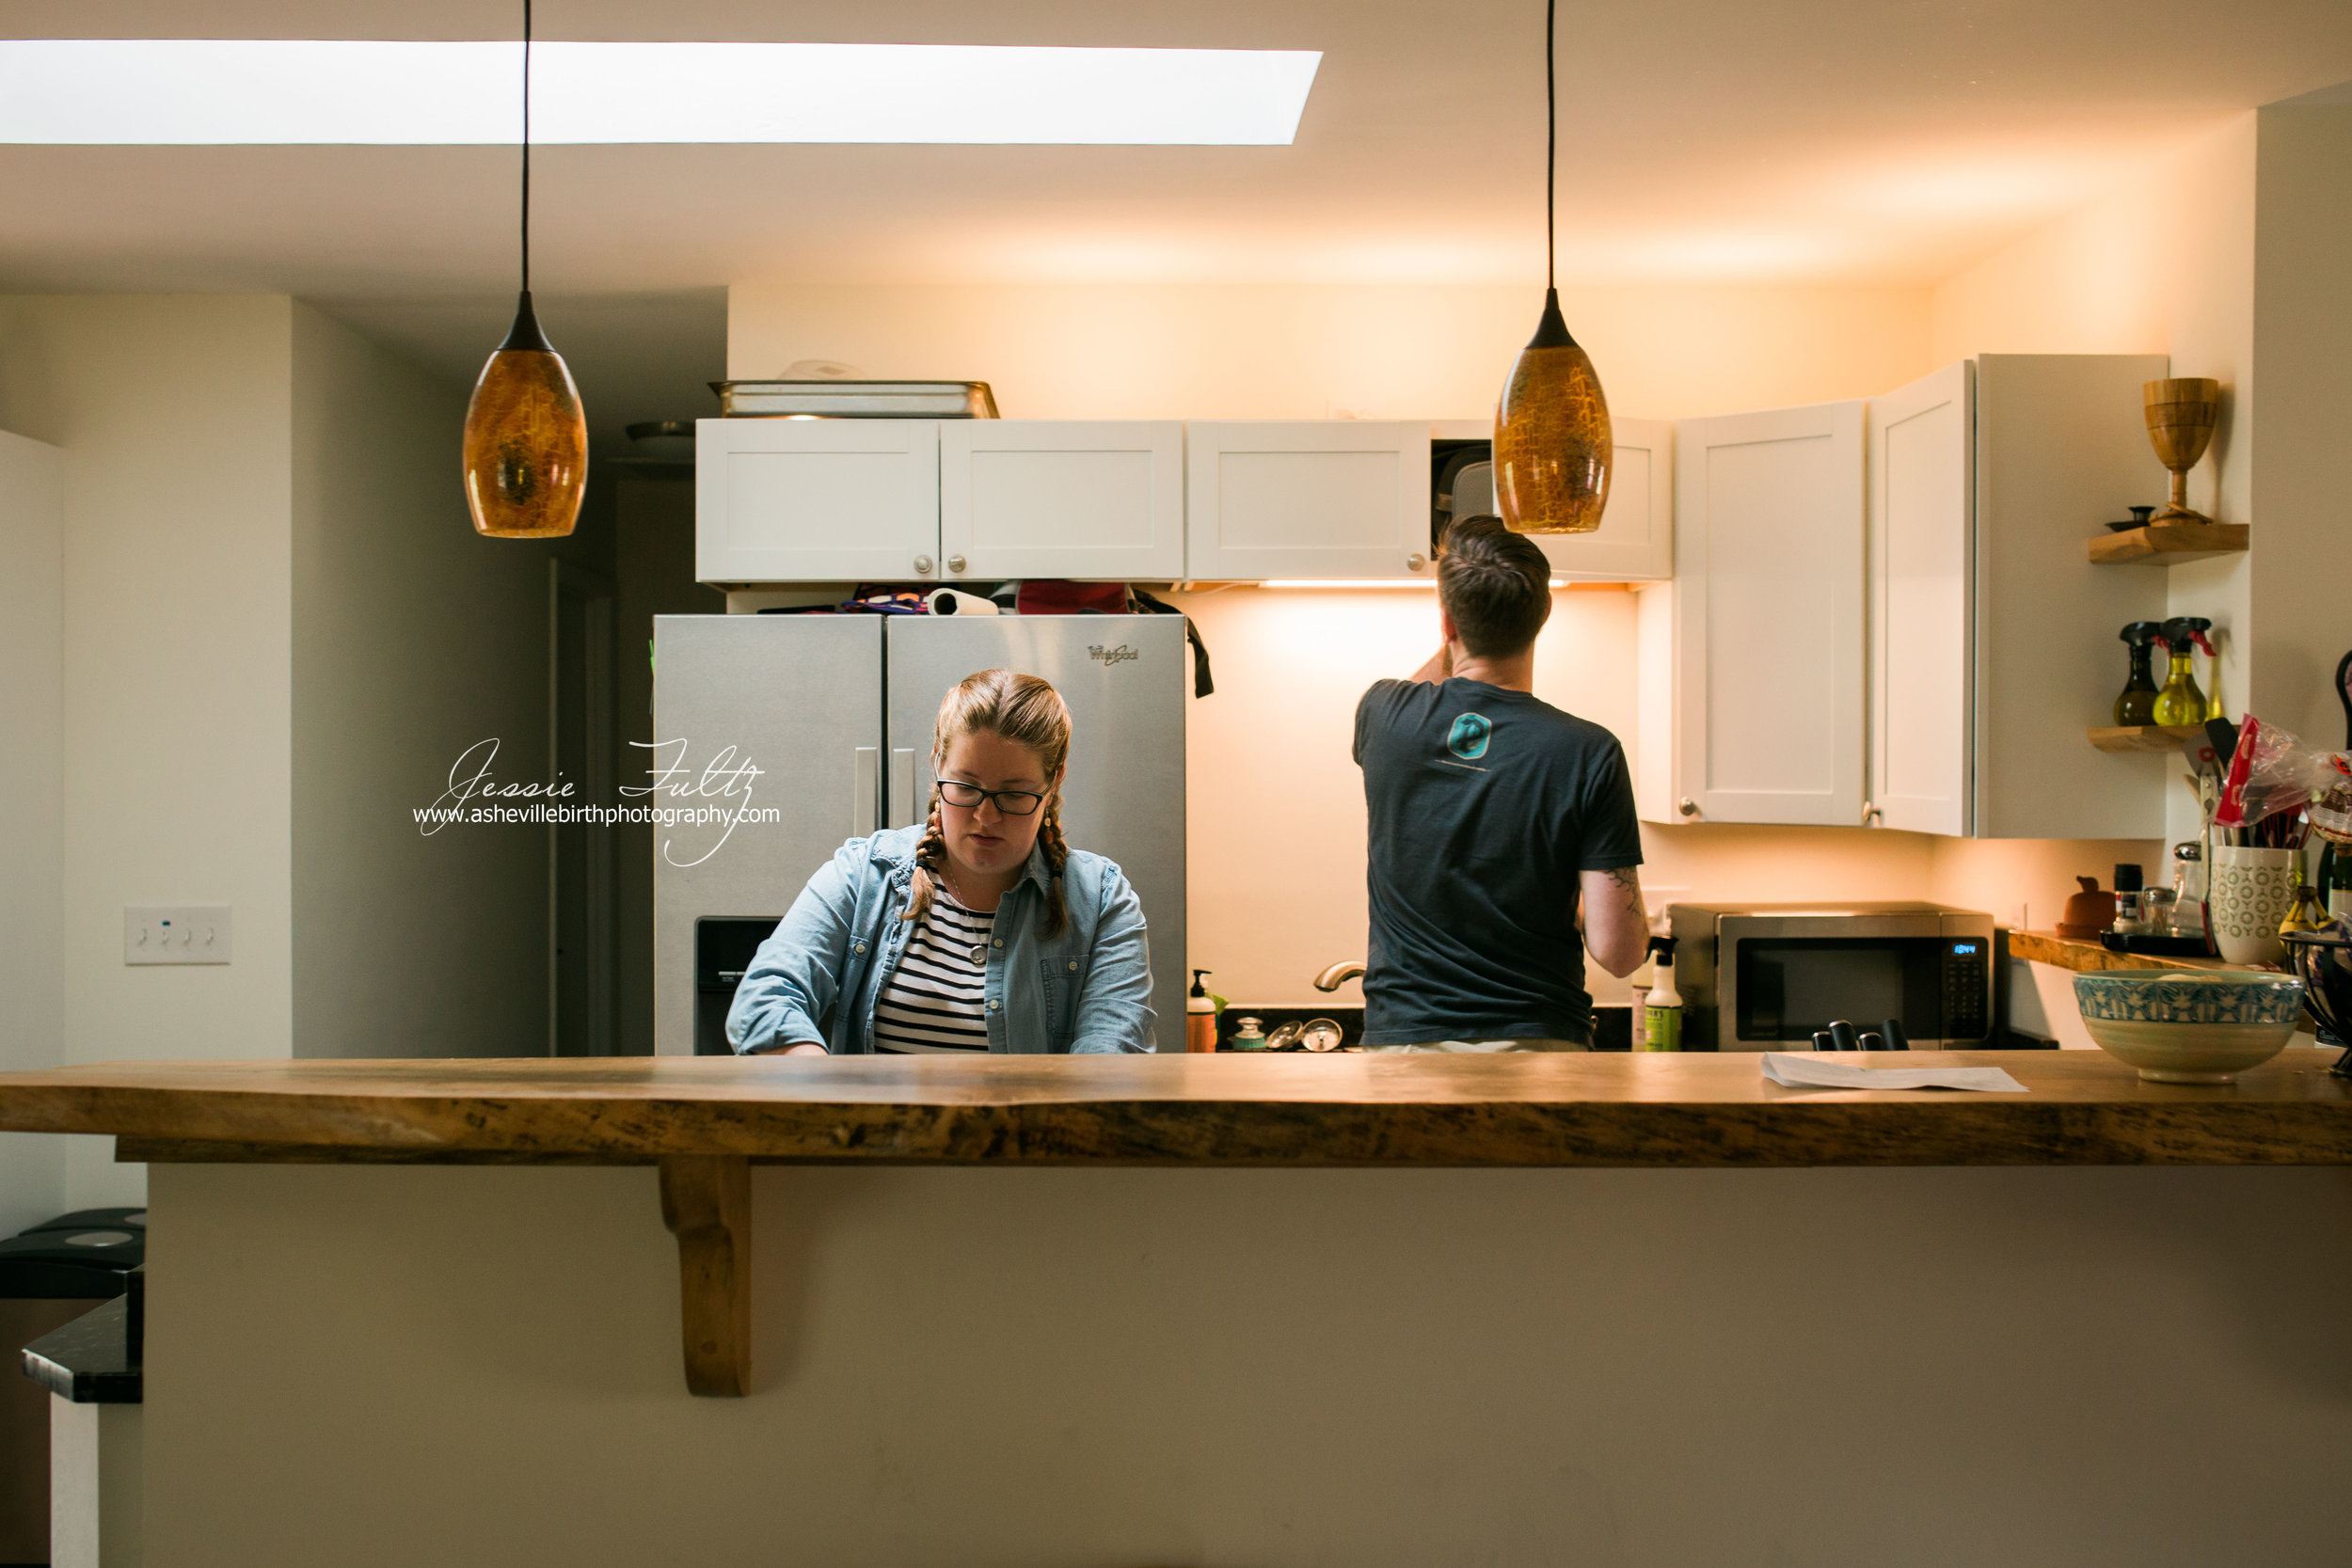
{"x":1203,"y":682}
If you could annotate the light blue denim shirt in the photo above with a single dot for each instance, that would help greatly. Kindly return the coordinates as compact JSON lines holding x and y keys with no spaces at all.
{"x":820,"y":975}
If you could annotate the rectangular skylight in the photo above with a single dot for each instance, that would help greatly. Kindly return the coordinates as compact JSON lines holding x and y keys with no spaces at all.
{"x":216,"y":91}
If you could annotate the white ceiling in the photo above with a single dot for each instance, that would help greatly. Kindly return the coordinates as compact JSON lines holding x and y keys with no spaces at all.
{"x":1888,"y":141}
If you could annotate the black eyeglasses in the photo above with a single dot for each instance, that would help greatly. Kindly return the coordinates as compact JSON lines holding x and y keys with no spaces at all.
{"x":1012,"y":802}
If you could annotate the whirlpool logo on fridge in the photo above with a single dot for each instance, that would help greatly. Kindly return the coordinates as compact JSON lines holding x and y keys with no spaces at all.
{"x":1110,"y":656}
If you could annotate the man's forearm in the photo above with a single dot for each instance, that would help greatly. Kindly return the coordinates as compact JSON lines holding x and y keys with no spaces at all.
{"x":1614,"y":921}
{"x":1439,"y":668}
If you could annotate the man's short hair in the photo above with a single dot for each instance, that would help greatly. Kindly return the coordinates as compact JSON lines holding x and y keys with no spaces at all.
{"x":1495,"y":585}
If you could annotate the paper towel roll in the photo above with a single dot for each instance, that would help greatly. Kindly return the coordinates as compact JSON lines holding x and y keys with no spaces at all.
{"x":958,"y":601}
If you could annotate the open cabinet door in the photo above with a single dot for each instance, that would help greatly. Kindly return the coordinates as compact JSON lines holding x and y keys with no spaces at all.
{"x":1768,"y":616}
{"x":32,"y":813}
{"x":1922,"y":607}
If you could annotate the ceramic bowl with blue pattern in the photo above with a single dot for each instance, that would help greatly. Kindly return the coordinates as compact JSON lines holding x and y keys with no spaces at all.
{"x":2190,"y":1026}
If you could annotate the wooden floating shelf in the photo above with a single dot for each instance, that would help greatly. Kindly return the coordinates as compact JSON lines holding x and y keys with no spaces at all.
{"x":2168,"y":544}
{"x":2145,"y":737}
{"x":2079,"y":954}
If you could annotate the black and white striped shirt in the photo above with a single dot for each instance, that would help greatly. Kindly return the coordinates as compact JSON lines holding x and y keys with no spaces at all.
{"x":936,"y":1000}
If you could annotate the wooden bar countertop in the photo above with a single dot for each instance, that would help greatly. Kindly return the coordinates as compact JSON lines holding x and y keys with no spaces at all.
{"x":1691,"y":1110}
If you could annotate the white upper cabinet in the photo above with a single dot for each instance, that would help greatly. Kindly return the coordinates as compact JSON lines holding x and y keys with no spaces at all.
{"x":802,"y":500}
{"x":1306,"y":498}
{"x":1989,"y":643}
{"x":1062,"y":498}
{"x":1993,"y":636}
{"x":1635,"y":542}
{"x":1923,"y":602}
{"x":1768,"y":616}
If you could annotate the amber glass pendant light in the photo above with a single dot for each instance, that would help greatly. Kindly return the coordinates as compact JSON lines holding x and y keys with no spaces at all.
{"x":526,"y":439}
{"x":1553,"y":450}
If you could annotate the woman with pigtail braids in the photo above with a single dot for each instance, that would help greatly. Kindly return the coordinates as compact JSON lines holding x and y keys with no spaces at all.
{"x":980,"y":931}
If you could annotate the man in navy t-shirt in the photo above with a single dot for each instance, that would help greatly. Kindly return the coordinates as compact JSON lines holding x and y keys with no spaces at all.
{"x":1494,"y":815}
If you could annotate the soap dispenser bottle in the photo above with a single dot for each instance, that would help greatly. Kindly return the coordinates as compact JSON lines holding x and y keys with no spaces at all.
{"x":1199,"y":1016}
{"x":1661,"y":1010}
{"x":2138,"y":705}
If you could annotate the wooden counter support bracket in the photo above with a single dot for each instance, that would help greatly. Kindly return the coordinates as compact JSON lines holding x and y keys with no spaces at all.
{"x":706,"y":1201}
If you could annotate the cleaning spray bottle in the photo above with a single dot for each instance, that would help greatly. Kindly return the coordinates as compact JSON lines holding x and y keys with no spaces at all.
{"x":1644,"y":977}
{"x":1662,"y":1011}
{"x":1199,"y":1016}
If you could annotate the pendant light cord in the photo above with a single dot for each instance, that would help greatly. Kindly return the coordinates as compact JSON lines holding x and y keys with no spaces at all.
{"x":525,"y":146}
{"x":1552,"y":136}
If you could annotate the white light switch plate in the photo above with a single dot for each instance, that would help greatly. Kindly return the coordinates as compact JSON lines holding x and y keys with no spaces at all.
{"x":175,"y":934}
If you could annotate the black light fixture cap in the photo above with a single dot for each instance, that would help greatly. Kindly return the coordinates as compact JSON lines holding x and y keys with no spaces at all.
{"x":526,"y":333}
{"x":1552,"y":331}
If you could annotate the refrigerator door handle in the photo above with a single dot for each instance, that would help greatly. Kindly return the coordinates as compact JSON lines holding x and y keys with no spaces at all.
{"x":902,"y":789}
{"x":863,"y":786}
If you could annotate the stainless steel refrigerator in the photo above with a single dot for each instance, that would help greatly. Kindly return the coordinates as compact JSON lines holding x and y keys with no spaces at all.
{"x":835,"y":714}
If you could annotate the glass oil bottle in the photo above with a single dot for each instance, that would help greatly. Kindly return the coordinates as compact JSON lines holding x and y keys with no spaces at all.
{"x":2183,"y":701}
{"x":2138,"y":705}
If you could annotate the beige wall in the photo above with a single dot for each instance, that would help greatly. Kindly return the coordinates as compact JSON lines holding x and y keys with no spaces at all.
{"x":32,"y":804}
{"x":2043,"y":1368}
{"x":174,"y":414}
{"x":414,"y":638}
{"x":1304,"y":352}
{"x":2162,"y":264}
{"x":275,"y":631}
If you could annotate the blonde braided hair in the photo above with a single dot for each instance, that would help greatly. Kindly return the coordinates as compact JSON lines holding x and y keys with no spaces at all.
{"x":1027,"y":711}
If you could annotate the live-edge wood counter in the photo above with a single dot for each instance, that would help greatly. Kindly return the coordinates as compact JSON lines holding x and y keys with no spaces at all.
{"x":1689,"y":1110}
{"x":703,"y":1121}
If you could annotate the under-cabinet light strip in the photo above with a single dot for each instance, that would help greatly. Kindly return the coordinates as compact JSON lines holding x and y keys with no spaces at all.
{"x":1379,"y":582}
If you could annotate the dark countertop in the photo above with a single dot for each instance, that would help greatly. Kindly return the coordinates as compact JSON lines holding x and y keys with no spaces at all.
{"x":1696,"y":1109}
{"x":96,"y":1358}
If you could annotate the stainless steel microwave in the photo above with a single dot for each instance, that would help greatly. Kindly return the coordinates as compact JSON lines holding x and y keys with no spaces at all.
{"x":1757,"y":976}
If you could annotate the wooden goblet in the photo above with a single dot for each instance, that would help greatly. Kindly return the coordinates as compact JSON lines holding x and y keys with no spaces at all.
{"x":2181,"y":415}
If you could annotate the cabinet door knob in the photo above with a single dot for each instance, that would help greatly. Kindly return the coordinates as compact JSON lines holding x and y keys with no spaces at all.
{"x":1870,"y":813}
{"x":1414,"y":562}
{"x":922,"y":565}
{"x":1689,"y":807}
{"x":955,"y":564}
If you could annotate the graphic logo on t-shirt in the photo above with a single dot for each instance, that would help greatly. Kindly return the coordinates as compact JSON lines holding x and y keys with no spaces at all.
{"x":1468,"y":738}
